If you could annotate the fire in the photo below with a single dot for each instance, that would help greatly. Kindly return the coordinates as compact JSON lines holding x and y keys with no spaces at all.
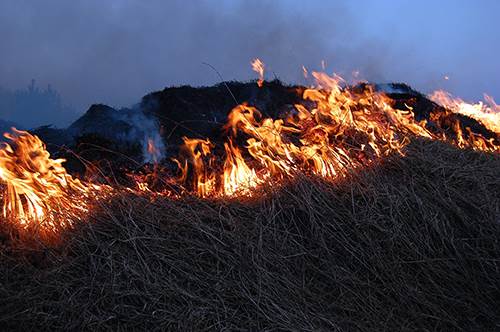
{"x":329,"y":138}
{"x":258,"y":67}
{"x":37,"y":190}
{"x":335,"y":130}
{"x":198,"y":171}
{"x":238,"y":177}
{"x":488,"y":114}
{"x":153,"y":152}
{"x":197,"y":163}
{"x":344,"y":130}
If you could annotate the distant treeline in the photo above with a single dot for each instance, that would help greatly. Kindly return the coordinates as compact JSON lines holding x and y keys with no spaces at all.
{"x":33,"y":106}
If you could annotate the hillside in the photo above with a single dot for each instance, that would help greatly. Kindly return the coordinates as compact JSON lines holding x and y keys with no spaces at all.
{"x":335,"y":208}
{"x":201,"y":112}
{"x":409,"y":244}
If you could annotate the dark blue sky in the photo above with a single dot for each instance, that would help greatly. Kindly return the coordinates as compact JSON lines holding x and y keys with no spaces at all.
{"x":118,"y":50}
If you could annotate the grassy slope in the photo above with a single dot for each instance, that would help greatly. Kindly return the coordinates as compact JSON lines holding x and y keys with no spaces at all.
{"x":411,"y":243}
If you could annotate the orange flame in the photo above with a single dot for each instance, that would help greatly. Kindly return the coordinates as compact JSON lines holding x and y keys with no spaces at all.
{"x":336,"y":130}
{"x":197,"y":170}
{"x":196,"y":160}
{"x":153,"y":151}
{"x":344,"y":130}
{"x":258,"y":67}
{"x":238,"y":178}
{"x":38,"y":192}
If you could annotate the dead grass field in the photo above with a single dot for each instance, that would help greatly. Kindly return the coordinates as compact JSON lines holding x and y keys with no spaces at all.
{"x":412,"y":243}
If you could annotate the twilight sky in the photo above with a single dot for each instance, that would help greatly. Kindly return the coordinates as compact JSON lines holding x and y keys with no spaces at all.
{"x":115,"y":51}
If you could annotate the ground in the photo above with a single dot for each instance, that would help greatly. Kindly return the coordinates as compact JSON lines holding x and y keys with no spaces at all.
{"x":409,"y":243}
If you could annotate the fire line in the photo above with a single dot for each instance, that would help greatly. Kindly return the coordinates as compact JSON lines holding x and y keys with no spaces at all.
{"x":344,"y":130}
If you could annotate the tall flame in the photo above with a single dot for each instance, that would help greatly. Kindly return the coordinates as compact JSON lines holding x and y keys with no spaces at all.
{"x":334,"y":131}
{"x":344,"y":130}
{"x":38,"y":192}
{"x":258,"y":67}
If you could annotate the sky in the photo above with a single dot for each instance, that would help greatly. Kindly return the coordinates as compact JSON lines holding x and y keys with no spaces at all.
{"x":116,"y":51}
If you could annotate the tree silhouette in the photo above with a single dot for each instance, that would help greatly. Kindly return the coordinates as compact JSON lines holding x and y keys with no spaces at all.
{"x":32,"y":107}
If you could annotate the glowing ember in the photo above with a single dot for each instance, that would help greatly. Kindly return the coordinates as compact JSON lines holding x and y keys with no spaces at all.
{"x":38,"y":192}
{"x":258,"y":67}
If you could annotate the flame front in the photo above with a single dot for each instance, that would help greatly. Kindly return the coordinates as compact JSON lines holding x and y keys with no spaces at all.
{"x":345,"y":130}
{"x":334,"y":131}
{"x":38,"y":192}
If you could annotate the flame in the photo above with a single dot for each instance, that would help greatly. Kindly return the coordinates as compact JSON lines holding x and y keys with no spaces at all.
{"x":197,"y":171}
{"x":488,"y":114}
{"x":153,"y":151}
{"x":238,"y":177}
{"x":258,"y":67}
{"x":334,"y":131}
{"x":38,"y":192}
{"x":305,"y":72}
{"x":196,"y":160}
{"x":344,"y":130}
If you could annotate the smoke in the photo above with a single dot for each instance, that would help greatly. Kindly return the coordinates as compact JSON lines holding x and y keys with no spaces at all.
{"x":142,"y":128}
{"x":147,"y":131}
{"x":114,"y":52}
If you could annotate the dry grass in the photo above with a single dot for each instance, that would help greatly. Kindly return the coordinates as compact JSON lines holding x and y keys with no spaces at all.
{"x":413,"y":243}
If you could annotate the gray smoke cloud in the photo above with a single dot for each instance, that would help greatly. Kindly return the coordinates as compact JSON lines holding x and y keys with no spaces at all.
{"x":147,"y":131}
{"x":116,"y":51}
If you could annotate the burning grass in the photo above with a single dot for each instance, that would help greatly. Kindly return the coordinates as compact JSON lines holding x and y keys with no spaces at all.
{"x":336,"y":130}
{"x":408,"y":243}
{"x":39,"y":196}
{"x":346,"y":212}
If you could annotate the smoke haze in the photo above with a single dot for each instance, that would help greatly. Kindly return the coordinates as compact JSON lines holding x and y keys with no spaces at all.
{"x":114,"y":52}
